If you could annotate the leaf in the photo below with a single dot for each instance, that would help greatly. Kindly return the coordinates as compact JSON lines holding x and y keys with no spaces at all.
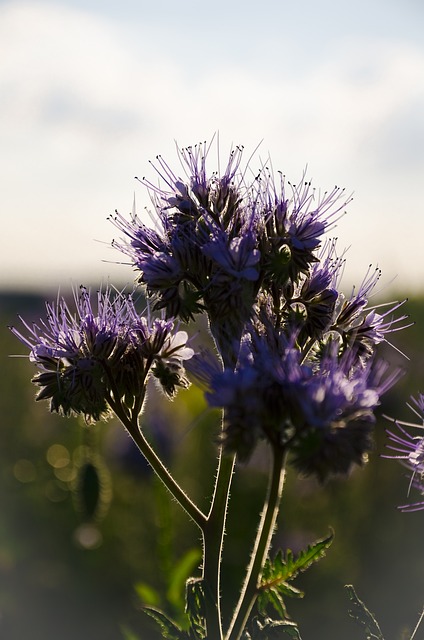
{"x":278,"y":573}
{"x":195,"y":608}
{"x":275,"y":629}
{"x":274,"y":598}
{"x":147,"y":594}
{"x":363,"y":616}
{"x":268,"y":629}
{"x":169,"y":629}
{"x":180,"y":573}
{"x":287,"y":567}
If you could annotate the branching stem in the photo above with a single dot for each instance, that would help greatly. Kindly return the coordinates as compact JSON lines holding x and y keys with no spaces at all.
{"x":132,"y":426}
{"x":212,"y":525}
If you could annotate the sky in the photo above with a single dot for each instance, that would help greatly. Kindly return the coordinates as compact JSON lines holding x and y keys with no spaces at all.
{"x":92,"y":90}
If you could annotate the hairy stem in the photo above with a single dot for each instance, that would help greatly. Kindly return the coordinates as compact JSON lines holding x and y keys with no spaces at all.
{"x":132,"y":426}
{"x":261,"y":548}
{"x":213,"y":537}
{"x":420,"y":619}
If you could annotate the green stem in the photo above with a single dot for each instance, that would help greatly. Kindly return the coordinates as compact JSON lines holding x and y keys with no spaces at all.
{"x":213,"y":537}
{"x":261,"y":548}
{"x":132,"y":426}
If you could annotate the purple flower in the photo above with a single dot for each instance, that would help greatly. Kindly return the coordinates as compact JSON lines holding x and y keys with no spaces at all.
{"x":335,"y":413}
{"x":294,"y":225}
{"x":409,"y":450}
{"x":233,"y":287}
{"x":321,"y":408}
{"x":160,"y":271}
{"x":250,"y":254}
{"x":99,"y":354}
{"x":375,"y":326}
{"x":237,"y":258}
{"x":165,"y":349}
{"x":190,"y":197}
{"x":142,"y":239}
{"x":222,"y":241}
{"x":155,"y":338}
{"x":72,"y":350}
{"x":324,"y":274}
{"x":350,"y":309}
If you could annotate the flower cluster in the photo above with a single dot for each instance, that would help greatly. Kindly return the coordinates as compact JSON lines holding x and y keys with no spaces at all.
{"x":319,"y":404}
{"x":299,"y":362}
{"x":222,"y":240}
{"x":299,"y":357}
{"x":101,"y":354}
{"x":409,"y":450}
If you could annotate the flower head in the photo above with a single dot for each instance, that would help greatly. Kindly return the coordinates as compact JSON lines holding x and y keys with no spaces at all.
{"x":335,"y":413}
{"x":409,"y":449}
{"x":221,"y":241}
{"x":295,"y":218}
{"x":321,"y":408}
{"x":362,"y":325}
{"x":300,"y":369}
{"x":99,"y":354}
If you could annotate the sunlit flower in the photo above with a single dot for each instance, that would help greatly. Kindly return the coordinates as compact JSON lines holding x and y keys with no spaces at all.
{"x":335,"y":413}
{"x":409,"y":450}
{"x":299,"y":357}
{"x":295,"y":218}
{"x":73,"y":351}
{"x":320,"y":408}
{"x":100,"y":353}
{"x":220,"y":240}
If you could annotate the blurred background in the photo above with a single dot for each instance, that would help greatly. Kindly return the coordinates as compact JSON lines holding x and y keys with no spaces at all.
{"x":78,"y":563}
{"x":90,"y":92}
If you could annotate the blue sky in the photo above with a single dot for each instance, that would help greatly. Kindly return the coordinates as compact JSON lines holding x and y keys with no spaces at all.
{"x":91,"y":90}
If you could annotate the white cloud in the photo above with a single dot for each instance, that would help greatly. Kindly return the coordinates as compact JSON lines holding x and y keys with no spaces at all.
{"x":84,"y":106}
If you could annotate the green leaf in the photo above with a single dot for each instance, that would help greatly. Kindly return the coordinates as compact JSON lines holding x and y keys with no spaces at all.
{"x":195,"y":608}
{"x":286,"y":567}
{"x":274,"y":598}
{"x":275,"y":629}
{"x":169,"y":629}
{"x":180,"y":573}
{"x":147,"y":594}
{"x":278,"y":573}
{"x":363,"y":616}
{"x":268,"y":629}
